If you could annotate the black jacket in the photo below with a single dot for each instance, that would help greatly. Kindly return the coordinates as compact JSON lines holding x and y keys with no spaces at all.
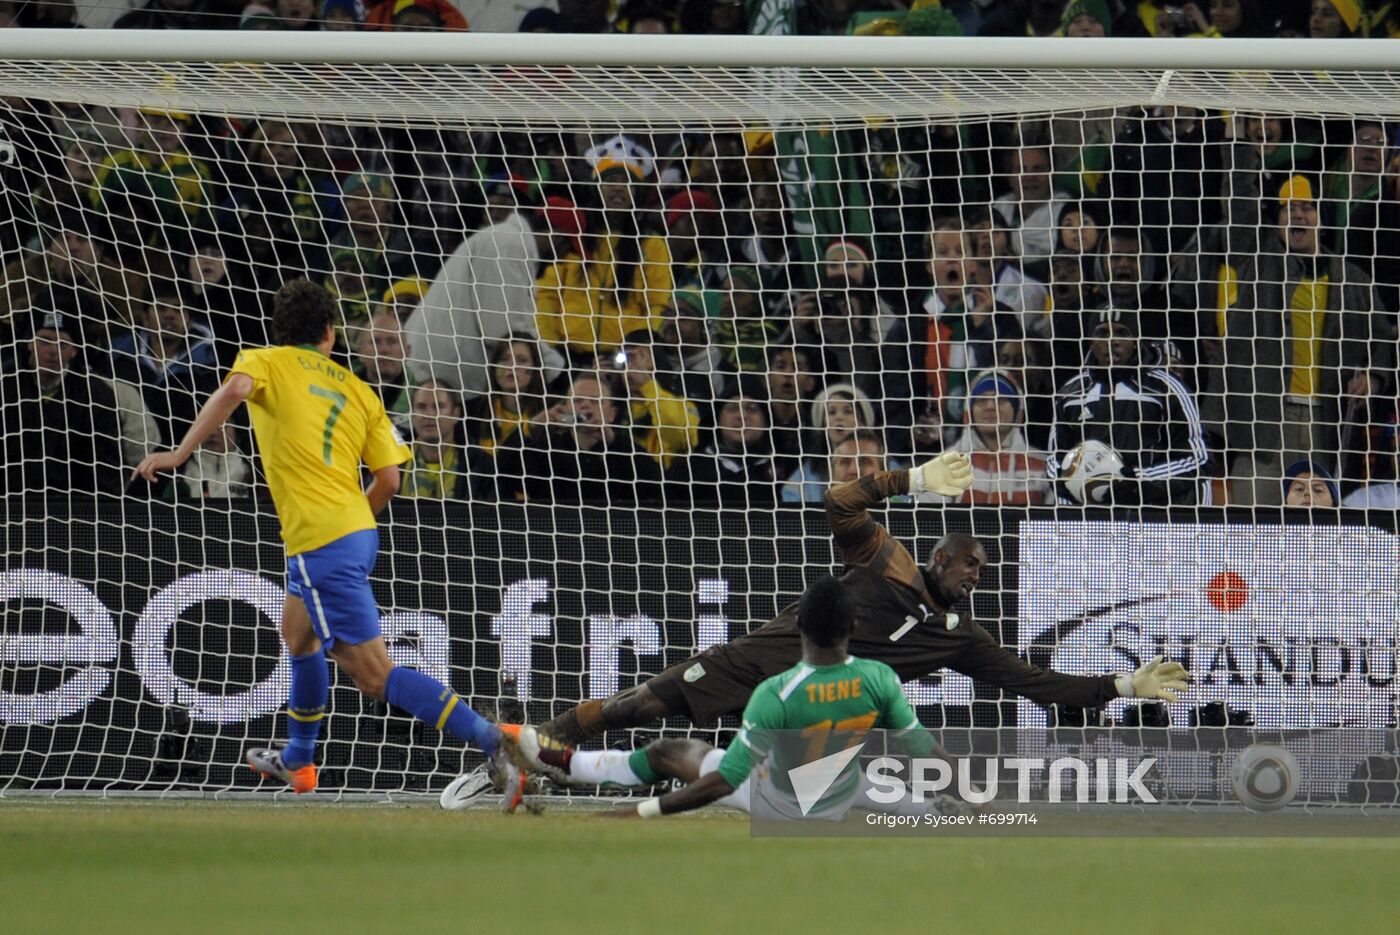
{"x":549,"y":467}
{"x":730,"y":479}
{"x":1149,"y":417}
{"x":60,"y":443}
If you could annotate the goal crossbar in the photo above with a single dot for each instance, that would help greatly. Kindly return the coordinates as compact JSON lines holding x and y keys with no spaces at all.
{"x":512,"y":80}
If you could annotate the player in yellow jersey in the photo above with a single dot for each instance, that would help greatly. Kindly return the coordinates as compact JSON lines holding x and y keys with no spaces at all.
{"x":315,"y":424}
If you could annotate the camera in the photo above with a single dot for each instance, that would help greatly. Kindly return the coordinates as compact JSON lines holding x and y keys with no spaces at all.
{"x":1178,"y":16}
{"x":832,"y":305}
{"x":619,"y":360}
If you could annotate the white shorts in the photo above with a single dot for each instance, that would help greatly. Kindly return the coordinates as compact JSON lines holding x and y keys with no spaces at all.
{"x":739,"y":798}
{"x":742,"y":797}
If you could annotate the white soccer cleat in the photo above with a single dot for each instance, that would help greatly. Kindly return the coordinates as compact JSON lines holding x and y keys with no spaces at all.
{"x":466,"y":790}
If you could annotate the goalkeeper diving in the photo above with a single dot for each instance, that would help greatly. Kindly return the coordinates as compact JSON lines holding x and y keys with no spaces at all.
{"x":315,"y":423}
{"x":905,"y":617}
{"x":830,"y":696}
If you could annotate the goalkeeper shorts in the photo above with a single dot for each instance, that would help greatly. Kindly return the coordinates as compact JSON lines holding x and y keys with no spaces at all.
{"x":333,"y":582}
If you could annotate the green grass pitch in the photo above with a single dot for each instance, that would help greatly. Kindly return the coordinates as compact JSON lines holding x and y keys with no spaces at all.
{"x":202,"y":867}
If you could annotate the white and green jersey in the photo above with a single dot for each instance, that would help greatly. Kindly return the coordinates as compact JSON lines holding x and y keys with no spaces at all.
{"x":832,"y":707}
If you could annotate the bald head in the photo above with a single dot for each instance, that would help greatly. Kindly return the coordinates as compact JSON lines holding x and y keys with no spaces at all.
{"x":954,"y":567}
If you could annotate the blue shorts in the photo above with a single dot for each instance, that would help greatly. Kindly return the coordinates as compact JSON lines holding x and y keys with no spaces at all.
{"x":333,"y":582}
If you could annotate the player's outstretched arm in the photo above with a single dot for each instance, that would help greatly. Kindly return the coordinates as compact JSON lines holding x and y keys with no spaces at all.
{"x":1165,"y":681}
{"x":215,"y":412}
{"x":947,"y":475}
{"x":706,"y":790}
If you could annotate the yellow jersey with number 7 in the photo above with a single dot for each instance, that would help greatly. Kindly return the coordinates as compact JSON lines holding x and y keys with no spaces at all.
{"x":315,"y":423}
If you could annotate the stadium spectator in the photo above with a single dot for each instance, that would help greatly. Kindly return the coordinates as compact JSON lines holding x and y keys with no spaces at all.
{"x":1337,"y":19}
{"x":1031,"y":207}
{"x":1006,"y":470}
{"x":1059,"y":337}
{"x":1131,"y":270}
{"x":841,"y":323}
{"x":1308,"y":484}
{"x":1376,"y":495}
{"x":75,"y":268}
{"x":770,"y":247}
{"x":59,"y":426}
{"x":357,"y":280}
{"x":137,"y":430}
{"x":742,"y":330}
{"x":171,"y":357}
{"x":686,"y":328}
{"x":959,"y":333}
{"x":792,"y":380}
{"x":1166,"y":168}
{"x":1266,"y":152}
{"x":695,"y":235}
{"x":415,"y":16}
{"x":1237,"y":19}
{"x":734,"y":469}
{"x":373,"y":228}
{"x":1360,"y":224}
{"x":157,"y":183}
{"x":585,"y":454}
{"x":1087,"y":19}
{"x":1142,"y":412}
{"x":644,"y":18}
{"x":541,"y":19}
{"x":297,"y":15}
{"x":1079,"y":230}
{"x":861,"y":455}
{"x":172,"y":14}
{"x":63,"y":193}
{"x":1299,"y":339}
{"x":206,"y":283}
{"x":219,"y":469}
{"x":380,"y":360}
{"x":438,"y":470}
{"x":343,"y":15}
{"x":485,"y":291}
{"x":402,"y":296}
{"x":584,"y":16}
{"x":664,"y":423}
{"x":515,"y":402}
{"x":837,"y":413}
{"x":622,"y":282}
{"x":259,"y":16}
{"x":283,"y":203}
{"x":988,"y":238}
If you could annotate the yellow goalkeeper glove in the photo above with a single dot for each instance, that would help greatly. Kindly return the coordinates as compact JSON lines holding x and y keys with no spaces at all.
{"x":1155,"y":679}
{"x":947,"y":475}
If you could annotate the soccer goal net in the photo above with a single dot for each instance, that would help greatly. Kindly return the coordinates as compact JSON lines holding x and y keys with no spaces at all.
{"x":637,"y":306}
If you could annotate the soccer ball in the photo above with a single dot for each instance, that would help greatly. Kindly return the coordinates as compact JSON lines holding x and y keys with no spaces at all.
{"x":1086,"y":463}
{"x":1265,"y":777}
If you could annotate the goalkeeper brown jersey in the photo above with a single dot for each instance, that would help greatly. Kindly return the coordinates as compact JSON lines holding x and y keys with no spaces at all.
{"x":898,"y":622}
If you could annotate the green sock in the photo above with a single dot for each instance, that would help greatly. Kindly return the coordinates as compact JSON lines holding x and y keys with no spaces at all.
{"x":637,"y":762}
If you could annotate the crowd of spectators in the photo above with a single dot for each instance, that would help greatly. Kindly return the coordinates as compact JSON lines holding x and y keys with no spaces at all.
{"x":640,"y":317}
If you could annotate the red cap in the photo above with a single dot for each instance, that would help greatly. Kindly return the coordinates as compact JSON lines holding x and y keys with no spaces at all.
{"x":564,"y":218}
{"x":686,"y":201}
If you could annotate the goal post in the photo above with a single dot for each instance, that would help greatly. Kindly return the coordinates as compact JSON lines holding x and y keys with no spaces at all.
{"x":637,"y":303}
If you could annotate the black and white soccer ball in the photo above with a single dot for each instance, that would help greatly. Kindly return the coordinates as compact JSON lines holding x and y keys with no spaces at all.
{"x":1085,"y":469}
{"x":1265,"y":777}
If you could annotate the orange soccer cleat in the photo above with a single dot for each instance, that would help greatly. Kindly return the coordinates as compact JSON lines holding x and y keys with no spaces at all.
{"x":268,"y":763}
